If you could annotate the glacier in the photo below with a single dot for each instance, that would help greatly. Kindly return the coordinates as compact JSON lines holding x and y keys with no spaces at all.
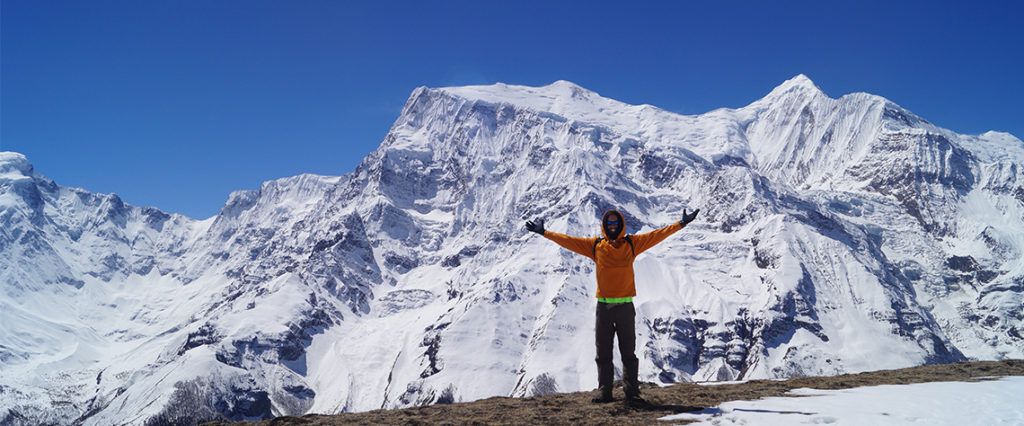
{"x":835,"y":236}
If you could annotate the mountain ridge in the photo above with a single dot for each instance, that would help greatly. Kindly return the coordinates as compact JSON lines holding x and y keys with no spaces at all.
{"x":672,"y":399}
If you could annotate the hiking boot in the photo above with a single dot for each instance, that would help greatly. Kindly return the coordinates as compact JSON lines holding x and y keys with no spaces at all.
{"x":603,"y":399}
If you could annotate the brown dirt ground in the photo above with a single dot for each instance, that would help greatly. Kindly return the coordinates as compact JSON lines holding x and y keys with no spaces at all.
{"x":576,"y":408}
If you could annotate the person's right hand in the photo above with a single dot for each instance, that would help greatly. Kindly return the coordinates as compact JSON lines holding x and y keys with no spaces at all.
{"x":537,"y":226}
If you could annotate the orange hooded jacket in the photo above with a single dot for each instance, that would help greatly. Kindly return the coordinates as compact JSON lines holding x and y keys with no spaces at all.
{"x":614,"y":257}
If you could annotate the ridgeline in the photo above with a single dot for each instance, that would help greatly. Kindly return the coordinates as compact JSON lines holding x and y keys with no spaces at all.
{"x":576,"y":408}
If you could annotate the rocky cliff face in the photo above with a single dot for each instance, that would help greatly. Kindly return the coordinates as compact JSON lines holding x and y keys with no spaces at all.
{"x":836,"y":235}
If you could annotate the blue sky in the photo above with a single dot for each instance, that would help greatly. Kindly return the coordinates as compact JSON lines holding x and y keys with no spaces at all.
{"x":175,"y":104}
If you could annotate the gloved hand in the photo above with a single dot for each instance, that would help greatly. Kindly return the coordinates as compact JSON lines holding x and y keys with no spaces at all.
{"x":687,"y":218}
{"x":537,"y":226}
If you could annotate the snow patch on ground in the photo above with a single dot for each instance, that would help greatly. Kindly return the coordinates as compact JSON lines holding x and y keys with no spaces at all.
{"x":941,"y":403}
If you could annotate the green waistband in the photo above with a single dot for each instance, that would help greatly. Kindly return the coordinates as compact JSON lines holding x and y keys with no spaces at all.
{"x":615,"y":299}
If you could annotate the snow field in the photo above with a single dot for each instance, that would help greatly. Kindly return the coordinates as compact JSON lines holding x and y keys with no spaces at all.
{"x":992,"y":402}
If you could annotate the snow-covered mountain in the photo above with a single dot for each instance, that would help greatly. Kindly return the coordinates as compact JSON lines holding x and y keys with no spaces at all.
{"x":835,"y":235}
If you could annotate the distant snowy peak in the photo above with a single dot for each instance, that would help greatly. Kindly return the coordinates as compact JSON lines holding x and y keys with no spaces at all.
{"x":994,"y":146}
{"x":14,"y":165}
{"x":606,"y":119}
{"x":558,"y":97}
{"x":800,"y":85}
{"x":572,"y":102}
{"x":18,"y":187}
{"x":800,"y":95}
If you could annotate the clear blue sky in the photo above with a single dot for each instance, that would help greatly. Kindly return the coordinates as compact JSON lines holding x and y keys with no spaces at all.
{"x":175,"y":104}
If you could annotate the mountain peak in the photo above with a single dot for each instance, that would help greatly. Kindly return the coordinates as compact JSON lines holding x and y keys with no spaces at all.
{"x":570,"y":88}
{"x":800,"y":80}
{"x":566,"y":84}
{"x":542,"y":98}
{"x":13,"y":163}
{"x":562,"y":98}
{"x":798,"y":85}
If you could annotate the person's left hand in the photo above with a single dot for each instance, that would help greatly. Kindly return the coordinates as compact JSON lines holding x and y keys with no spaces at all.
{"x":687,"y":218}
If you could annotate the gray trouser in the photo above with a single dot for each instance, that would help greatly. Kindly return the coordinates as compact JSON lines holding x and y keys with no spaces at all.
{"x":612,"y":319}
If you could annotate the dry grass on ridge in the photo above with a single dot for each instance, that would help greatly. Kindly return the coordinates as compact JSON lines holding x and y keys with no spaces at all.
{"x":576,"y":408}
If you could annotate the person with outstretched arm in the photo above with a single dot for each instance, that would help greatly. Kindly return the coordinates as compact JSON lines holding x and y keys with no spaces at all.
{"x":614,"y":253}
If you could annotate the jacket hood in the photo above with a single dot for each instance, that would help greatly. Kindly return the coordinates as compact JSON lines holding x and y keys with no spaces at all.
{"x":622,"y":226}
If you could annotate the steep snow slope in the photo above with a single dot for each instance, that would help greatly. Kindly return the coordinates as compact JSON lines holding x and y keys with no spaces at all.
{"x":836,"y":235}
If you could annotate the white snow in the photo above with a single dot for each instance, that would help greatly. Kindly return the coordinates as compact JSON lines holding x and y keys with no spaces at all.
{"x":992,"y":402}
{"x":711,"y":135}
{"x":995,"y":146}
